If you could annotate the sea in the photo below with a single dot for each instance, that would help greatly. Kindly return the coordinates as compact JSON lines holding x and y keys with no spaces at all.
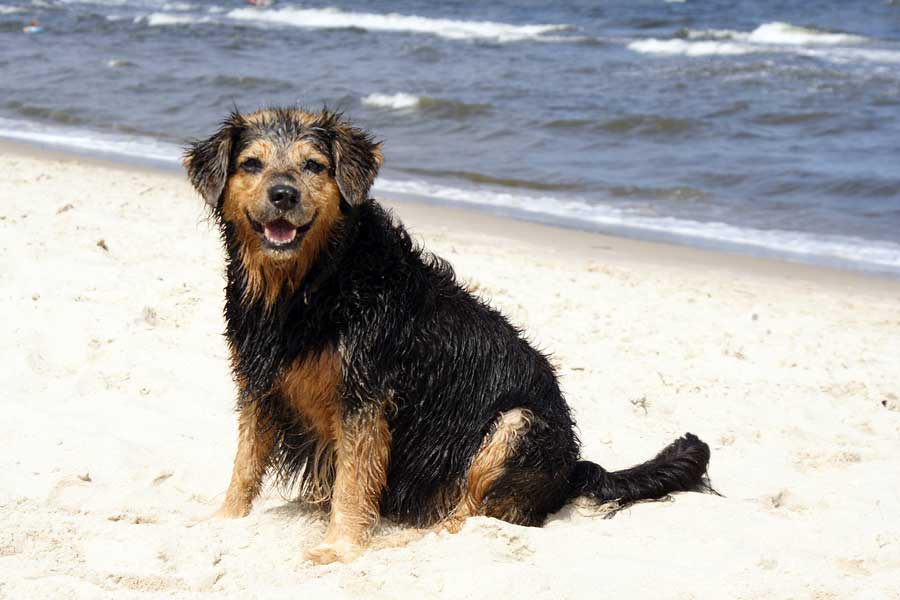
{"x":763,"y":127}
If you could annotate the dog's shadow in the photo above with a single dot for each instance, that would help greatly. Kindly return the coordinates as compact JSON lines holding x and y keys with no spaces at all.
{"x":388,"y":534}
{"x":298,"y":509}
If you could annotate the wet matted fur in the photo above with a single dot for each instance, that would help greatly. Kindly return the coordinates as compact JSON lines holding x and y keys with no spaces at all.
{"x":369,"y":378}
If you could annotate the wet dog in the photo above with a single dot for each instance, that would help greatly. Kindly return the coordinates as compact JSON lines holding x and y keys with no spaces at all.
{"x":368,"y":378}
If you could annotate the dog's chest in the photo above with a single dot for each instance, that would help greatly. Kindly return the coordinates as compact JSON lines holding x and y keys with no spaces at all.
{"x":310,"y":388}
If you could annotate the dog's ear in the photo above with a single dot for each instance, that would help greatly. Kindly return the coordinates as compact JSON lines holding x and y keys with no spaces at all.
{"x":207,"y":161}
{"x":357,"y":158}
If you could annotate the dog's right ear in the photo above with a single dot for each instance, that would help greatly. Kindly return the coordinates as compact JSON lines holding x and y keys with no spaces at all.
{"x":207,"y":161}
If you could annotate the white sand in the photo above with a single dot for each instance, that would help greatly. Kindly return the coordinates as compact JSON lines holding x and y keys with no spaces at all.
{"x":117,"y":427}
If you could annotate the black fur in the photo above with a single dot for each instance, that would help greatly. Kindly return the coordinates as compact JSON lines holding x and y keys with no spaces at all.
{"x":208,"y":161}
{"x":408,"y":332}
{"x":679,"y":467}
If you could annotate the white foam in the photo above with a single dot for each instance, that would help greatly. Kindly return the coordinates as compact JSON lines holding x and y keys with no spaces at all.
{"x":775,"y":37}
{"x":785,"y":33}
{"x":686,"y":48}
{"x":682,"y":47}
{"x":98,"y":2}
{"x":850,"y":55}
{"x":874,"y":254}
{"x":167,"y":19}
{"x":333,"y":18}
{"x":399,"y":101}
{"x":778,"y":33}
{"x":8,"y":10}
{"x":92,"y":141}
{"x":178,"y":6}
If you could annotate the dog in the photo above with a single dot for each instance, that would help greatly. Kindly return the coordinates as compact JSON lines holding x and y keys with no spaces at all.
{"x":369,"y":379}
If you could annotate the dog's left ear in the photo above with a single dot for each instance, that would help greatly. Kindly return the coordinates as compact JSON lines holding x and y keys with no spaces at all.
{"x":357,"y":158}
{"x":207,"y":161}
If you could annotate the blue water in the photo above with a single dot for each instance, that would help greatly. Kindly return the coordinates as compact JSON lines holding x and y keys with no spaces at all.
{"x":755,"y":126}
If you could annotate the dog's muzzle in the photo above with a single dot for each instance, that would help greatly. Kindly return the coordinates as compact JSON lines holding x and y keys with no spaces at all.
{"x":280,"y":233}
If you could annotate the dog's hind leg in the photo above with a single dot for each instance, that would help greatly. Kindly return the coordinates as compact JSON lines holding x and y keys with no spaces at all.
{"x":488,"y":466}
{"x":255,"y":444}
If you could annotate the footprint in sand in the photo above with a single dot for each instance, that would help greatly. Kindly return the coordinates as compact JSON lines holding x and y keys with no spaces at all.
{"x":782,"y":500}
{"x":505,"y":539}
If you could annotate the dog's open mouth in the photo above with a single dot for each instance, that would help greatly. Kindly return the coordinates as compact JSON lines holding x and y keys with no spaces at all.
{"x":281,"y":234}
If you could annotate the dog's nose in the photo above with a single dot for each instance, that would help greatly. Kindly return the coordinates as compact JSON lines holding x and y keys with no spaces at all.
{"x":284,"y":196}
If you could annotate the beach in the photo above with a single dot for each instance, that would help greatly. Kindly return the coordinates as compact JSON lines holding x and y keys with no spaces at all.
{"x":119,"y":431}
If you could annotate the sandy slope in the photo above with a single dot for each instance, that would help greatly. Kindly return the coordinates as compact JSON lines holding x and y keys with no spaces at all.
{"x":117,"y":428}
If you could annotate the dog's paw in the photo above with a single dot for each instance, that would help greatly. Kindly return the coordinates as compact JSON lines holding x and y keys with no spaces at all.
{"x":232,"y":511}
{"x":326,"y":553}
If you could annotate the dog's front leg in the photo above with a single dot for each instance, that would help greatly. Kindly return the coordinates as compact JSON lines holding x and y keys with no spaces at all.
{"x":363,"y":451}
{"x":255,"y":444}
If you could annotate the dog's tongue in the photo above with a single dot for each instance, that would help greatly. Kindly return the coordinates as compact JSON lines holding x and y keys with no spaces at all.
{"x":280,"y":232}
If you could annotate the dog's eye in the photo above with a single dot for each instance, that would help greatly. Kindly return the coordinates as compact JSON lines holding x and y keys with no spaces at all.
{"x":252,"y":165}
{"x":315,"y":167}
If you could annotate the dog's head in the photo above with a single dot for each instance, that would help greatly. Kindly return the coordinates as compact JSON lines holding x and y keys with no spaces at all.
{"x":278,"y":177}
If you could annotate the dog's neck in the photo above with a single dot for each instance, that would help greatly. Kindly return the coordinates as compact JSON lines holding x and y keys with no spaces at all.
{"x":258,"y":279}
{"x":269,"y":332}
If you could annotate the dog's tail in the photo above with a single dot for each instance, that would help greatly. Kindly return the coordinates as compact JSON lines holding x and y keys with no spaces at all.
{"x":680,"y":467}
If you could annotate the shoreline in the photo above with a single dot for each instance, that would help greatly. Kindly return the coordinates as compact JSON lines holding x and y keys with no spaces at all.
{"x":572,"y":240}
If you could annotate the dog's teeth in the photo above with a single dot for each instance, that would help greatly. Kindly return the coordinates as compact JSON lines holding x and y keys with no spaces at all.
{"x":280,"y":235}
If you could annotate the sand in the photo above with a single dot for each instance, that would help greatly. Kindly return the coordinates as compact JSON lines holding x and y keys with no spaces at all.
{"x":118,"y":431}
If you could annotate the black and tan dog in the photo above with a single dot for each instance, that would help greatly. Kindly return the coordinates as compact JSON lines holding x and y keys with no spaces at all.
{"x":368,"y":377}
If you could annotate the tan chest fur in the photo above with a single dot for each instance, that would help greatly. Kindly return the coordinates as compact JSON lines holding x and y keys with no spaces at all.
{"x":311,"y":388}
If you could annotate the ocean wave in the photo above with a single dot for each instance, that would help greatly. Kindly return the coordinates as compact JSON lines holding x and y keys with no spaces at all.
{"x":651,"y":126}
{"x":481,"y":178}
{"x":333,"y":18}
{"x":162,"y":19}
{"x":683,"y":47}
{"x":179,"y":6}
{"x":436,"y":107}
{"x":849,"y":55}
{"x":778,"y":33}
{"x":43,"y":3}
{"x":242,"y":82}
{"x":802,"y":118}
{"x":881,"y":255}
{"x":770,"y":38}
{"x":399,"y":101}
{"x":9,"y":10}
{"x":63,"y":116}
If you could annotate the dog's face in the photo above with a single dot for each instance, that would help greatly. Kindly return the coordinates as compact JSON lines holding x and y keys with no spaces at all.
{"x":279,"y":190}
{"x":279,"y":178}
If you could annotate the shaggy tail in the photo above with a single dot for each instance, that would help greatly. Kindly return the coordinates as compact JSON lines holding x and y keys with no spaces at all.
{"x":680,"y":467}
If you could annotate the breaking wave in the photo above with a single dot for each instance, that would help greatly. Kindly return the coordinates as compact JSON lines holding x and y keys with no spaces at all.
{"x":436,"y":107}
{"x":775,"y":37}
{"x":333,"y":18}
{"x":398,"y":101}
